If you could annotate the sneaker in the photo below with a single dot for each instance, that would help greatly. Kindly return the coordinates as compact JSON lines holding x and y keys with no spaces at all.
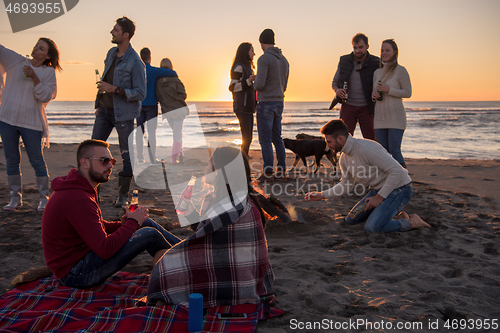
{"x":264,"y":176}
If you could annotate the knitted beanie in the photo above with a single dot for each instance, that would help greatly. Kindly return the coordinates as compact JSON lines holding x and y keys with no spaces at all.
{"x":267,"y":37}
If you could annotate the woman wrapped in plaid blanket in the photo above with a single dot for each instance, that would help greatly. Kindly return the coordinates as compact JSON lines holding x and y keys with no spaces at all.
{"x":226,"y":259}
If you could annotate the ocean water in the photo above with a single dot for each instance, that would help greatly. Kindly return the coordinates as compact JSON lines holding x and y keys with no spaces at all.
{"x":442,"y":130}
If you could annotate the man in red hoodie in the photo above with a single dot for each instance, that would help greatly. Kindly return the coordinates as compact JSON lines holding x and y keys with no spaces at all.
{"x":81,"y":248}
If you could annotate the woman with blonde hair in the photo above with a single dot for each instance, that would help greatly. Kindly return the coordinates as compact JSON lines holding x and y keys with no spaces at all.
{"x":391,"y":83}
{"x":172,"y":97}
{"x":29,"y":87}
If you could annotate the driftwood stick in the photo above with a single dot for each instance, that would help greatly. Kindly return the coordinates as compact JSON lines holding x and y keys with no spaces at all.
{"x":31,"y":275}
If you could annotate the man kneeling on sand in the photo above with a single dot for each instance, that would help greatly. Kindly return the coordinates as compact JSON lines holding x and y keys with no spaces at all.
{"x":367,"y":162}
{"x":80,"y":248}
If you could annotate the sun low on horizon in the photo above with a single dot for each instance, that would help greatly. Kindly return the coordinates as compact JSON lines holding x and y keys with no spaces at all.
{"x":444,"y":56}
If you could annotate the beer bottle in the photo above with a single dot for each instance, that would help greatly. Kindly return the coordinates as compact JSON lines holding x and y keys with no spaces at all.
{"x":380,"y":93}
{"x":134,"y":203}
{"x":185,"y":197}
{"x":346,"y":92}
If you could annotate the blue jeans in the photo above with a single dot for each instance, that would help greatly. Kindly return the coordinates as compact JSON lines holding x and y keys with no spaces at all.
{"x":246,"y":125}
{"x":379,"y":219}
{"x":149,"y":116}
{"x":269,"y":130}
{"x":93,"y":270}
{"x":390,"y":139}
{"x":32,"y":140}
{"x":104,"y":124}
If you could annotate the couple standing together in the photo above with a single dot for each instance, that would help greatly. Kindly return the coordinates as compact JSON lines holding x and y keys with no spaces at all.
{"x":371,"y":90}
{"x":267,"y":87}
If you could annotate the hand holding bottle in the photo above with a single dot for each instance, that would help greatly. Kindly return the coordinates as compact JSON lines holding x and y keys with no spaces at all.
{"x":383,"y":87}
{"x":140,"y":214}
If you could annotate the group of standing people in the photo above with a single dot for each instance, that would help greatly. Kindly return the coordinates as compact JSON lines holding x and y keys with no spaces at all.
{"x":122,"y":99}
{"x":370,"y":90}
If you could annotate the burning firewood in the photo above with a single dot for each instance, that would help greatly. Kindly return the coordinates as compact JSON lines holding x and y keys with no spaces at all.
{"x":273,"y":207}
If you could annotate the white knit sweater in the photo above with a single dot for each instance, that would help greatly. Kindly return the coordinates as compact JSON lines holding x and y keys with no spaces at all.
{"x":390,"y":111}
{"x":367,"y":162}
{"x":23,"y":104}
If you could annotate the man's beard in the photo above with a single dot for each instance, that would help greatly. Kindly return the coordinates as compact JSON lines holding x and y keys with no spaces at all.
{"x":360,"y":56}
{"x":97,"y":177}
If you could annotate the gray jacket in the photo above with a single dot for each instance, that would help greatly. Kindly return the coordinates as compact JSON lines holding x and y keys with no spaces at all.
{"x":272,"y":76}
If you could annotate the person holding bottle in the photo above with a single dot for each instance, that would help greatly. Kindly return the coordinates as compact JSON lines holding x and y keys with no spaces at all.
{"x":356,"y":69}
{"x":244,"y":97}
{"x":118,"y":100}
{"x":226,"y":259}
{"x":30,"y":86}
{"x":392,"y":83}
{"x":79,"y":246}
{"x":172,"y":97}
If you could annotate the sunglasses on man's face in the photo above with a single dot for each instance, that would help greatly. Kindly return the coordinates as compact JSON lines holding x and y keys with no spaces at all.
{"x":104,"y":160}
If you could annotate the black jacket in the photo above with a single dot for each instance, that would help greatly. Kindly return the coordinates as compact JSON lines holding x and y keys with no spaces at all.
{"x":370,"y":65}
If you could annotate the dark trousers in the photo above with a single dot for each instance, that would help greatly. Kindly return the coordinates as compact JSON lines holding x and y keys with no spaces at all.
{"x":358,"y":114}
{"x":246,"y":125}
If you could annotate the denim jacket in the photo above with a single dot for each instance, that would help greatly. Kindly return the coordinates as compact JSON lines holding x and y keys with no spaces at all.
{"x":130,"y":75}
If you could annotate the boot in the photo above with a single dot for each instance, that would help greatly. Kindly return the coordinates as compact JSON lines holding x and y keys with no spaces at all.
{"x":42,"y":183}
{"x":123,"y":187}
{"x":177,"y":152}
{"x":16,"y":192}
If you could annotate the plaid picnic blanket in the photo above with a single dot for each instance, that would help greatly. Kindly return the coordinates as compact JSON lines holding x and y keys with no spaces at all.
{"x":118,"y":306}
{"x":225,"y":260}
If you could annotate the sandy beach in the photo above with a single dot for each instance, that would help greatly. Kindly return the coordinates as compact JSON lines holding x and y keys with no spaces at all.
{"x":326,"y":271}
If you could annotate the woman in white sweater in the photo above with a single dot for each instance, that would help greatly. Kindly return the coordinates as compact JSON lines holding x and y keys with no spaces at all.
{"x":391,"y":83}
{"x":30,"y":85}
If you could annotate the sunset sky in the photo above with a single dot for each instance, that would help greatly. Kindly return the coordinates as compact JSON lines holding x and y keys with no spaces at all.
{"x":449,"y":47}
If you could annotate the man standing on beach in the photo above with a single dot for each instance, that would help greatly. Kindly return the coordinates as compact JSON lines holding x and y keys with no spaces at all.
{"x":118,"y":102}
{"x":368,"y":163}
{"x":80,"y":248}
{"x":356,"y":69}
{"x":149,"y":110}
{"x":270,"y":83}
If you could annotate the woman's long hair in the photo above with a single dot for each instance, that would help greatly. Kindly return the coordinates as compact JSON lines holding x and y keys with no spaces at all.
{"x":53,"y":54}
{"x":221,"y":158}
{"x":393,"y":62}
{"x":242,"y":55}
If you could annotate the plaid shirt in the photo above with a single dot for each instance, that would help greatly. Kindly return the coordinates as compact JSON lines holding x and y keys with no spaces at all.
{"x":225,"y":260}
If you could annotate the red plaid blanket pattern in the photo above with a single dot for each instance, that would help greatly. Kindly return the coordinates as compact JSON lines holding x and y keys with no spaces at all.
{"x":115,"y":306}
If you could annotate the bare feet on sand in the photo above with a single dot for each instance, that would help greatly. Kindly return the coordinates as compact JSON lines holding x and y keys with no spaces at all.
{"x":417,"y":222}
{"x":401,"y":215}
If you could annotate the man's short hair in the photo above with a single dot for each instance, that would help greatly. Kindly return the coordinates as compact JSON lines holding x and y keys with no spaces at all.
{"x":145,"y":54}
{"x":127,"y":26}
{"x":335,"y":128}
{"x":85,"y":148}
{"x":360,"y":37}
